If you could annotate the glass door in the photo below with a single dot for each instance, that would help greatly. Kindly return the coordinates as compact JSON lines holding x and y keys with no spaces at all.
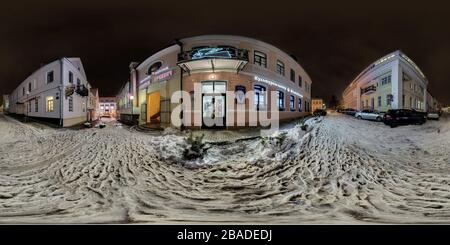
{"x":213,"y":103}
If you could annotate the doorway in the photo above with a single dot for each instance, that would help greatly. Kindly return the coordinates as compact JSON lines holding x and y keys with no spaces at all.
{"x":154,"y":108}
{"x":213,"y":104}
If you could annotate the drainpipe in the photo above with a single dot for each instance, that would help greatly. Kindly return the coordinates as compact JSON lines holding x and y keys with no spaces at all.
{"x":61,"y":108}
{"x":181,"y":76}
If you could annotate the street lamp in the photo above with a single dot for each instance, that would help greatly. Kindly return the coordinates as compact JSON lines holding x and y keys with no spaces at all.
{"x":26,"y":107}
{"x":132,"y":98}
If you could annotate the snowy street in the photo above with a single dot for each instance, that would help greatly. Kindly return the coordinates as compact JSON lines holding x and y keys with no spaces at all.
{"x":343,"y":170}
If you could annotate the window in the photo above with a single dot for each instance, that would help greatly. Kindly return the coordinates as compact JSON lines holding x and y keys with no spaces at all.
{"x":23,"y":91}
{"x":29,"y":86}
{"x":403,"y":100}
{"x":260,"y":58}
{"x":70,"y":77}
{"x":50,"y":77}
{"x":280,"y":67}
{"x":260,"y":96}
{"x":36,"y":105}
{"x":29,"y":106}
{"x":299,"y":104}
{"x":388,"y":100}
{"x":280,"y":100}
{"x":78,"y":82}
{"x":71,"y":103}
{"x":385,"y":80}
{"x":49,"y":105}
{"x":306,"y":106}
{"x":362,"y":104}
{"x":410,"y":102}
{"x":379,"y":101}
{"x":292,"y":103}
{"x":154,"y":67}
{"x":293,"y":76}
{"x":300,"y":81}
{"x":372,"y":103}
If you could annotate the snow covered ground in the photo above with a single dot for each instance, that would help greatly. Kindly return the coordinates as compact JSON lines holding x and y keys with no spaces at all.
{"x":341,"y":170}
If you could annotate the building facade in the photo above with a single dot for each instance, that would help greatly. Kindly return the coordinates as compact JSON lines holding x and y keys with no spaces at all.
{"x":392,"y":82}
{"x":216,"y":64}
{"x":108,"y":107}
{"x":317,"y":104}
{"x":57,"y":92}
{"x":93,"y":105}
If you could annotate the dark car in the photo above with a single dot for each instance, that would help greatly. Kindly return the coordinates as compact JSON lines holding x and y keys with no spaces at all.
{"x":397,"y":117}
{"x":320,"y":112}
{"x":349,"y":111}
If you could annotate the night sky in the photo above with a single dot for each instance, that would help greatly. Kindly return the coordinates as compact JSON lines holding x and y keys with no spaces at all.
{"x":333,"y":40}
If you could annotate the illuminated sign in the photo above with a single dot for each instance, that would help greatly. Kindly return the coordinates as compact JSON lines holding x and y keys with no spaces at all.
{"x":162,"y":75}
{"x":211,"y":53}
{"x":278,"y":85}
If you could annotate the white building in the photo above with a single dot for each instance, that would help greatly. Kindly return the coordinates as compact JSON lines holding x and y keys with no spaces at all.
{"x":392,"y":82}
{"x":57,"y":92}
{"x":108,"y":107}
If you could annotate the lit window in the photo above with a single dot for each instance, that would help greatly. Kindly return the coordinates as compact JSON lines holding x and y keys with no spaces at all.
{"x":280,"y":67}
{"x":280,"y":100}
{"x":50,"y":105}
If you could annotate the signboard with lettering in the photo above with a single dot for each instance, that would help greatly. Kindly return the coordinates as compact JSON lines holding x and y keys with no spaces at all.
{"x":163,"y":74}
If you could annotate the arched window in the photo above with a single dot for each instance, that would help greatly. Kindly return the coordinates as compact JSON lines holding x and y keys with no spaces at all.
{"x":154,"y":67}
{"x":260,"y":96}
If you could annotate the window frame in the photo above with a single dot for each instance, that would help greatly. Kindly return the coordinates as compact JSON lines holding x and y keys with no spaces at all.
{"x":281,"y":68}
{"x":262,"y":58}
{"x":52,"y":73}
{"x":292,"y":75}
{"x":292,"y":102}
{"x":281,"y":100}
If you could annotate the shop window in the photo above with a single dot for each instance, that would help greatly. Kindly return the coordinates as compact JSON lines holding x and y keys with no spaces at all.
{"x":260,"y":96}
{"x":260,"y":59}
{"x":280,"y":67}
{"x":292,"y":102}
{"x":280,"y":100}
{"x":299,"y":104}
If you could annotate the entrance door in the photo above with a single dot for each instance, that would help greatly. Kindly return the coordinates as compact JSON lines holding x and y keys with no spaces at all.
{"x":213,"y":104}
{"x":154,"y":107}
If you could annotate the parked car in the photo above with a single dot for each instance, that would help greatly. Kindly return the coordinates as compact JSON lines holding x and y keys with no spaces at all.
{"x":433,"y":115}
{"x":397,"y":117}
{"x":349,"y":111}
{"x":369,"y":115}
{"x":320,"y":112}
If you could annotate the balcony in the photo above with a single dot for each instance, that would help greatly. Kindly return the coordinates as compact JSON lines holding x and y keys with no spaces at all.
{"x":368,"y":90}
{"x":213,"y":58}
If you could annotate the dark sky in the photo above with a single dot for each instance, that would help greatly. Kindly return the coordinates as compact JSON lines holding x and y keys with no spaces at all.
{"x":333,"y":40}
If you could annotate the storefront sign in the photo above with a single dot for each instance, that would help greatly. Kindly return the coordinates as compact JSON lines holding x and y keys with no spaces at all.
{"x":278,"y":85}
{"x":162,"y":75}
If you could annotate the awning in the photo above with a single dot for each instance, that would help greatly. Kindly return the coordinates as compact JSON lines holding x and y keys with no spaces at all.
{"x":213,"y":59}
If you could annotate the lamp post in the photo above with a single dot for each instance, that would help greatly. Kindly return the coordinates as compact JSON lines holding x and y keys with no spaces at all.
{"x":26,"y":107}
{"x":132,"y":98}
